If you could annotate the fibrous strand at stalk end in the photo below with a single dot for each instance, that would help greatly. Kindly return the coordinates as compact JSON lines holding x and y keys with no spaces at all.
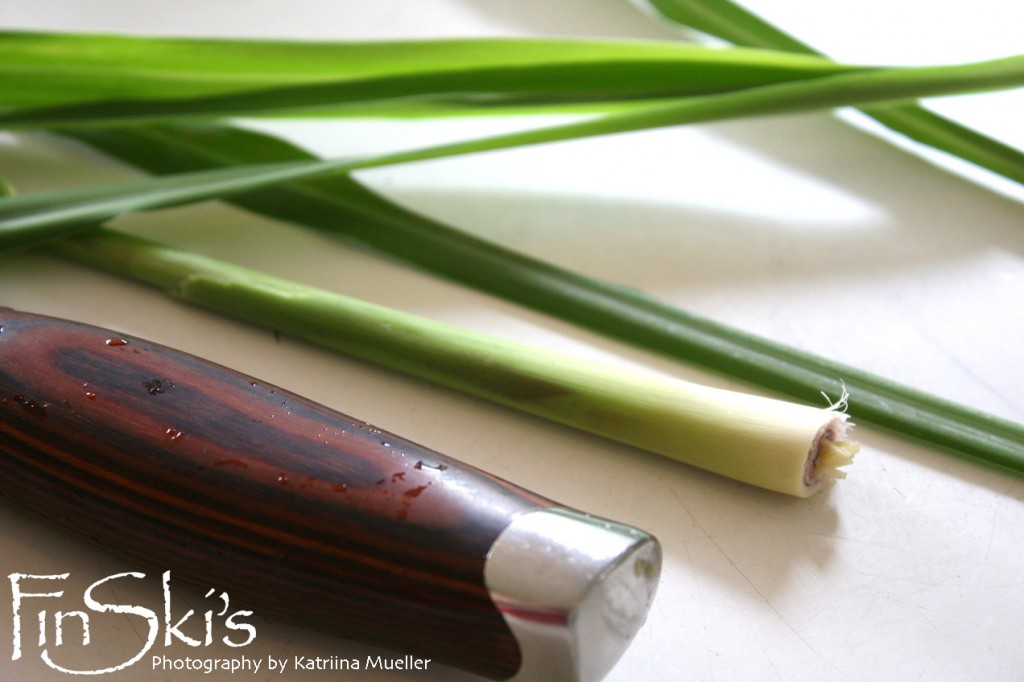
{"x":830,"y":451}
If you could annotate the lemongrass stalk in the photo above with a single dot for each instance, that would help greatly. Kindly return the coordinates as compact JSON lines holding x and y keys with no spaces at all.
{"x":29,"y":219}
{"x":772,"y":444}
{"x":735,"y":24}
{"x":341,"y":205}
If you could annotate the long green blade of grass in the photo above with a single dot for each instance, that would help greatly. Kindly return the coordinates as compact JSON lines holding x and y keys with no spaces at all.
{"x":31,"y":219}
{"x":577,"y":81}
{"x":46,"y":79}
{"x":39,"y":69}
{"x":343,"y":206}
{"x":737,"y":25}
{"x":24,"y":220}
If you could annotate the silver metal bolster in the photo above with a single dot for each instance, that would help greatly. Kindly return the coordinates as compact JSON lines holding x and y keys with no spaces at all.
{"x":574,"y":589}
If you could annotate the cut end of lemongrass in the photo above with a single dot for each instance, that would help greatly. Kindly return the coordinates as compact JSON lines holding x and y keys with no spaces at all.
{"x":831,"y":450}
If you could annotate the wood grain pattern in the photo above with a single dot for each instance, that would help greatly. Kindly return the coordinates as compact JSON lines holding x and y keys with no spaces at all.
{"x":301,"y":512}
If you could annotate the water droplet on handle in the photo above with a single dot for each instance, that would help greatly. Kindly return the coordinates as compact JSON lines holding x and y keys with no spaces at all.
{"x":434,"y":467}
{"x":158,"y":386}
{"x":31,"y":406}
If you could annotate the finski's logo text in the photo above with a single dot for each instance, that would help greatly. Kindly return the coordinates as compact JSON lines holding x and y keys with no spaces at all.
{"x":35,"y":593}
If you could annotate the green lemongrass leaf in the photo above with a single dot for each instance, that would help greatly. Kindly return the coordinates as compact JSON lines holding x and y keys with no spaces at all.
{"x":729,"y":21}
{"x":57,"y":68}
{"x":780,"y":446}
{"x":341,"y":205}
{"x":29,"y":219}
{"x":737,"y":25}
{"x":48,"y":80}
{"x":24,"y":220}
{"x":709,"y":70}
{"x":931,"y":129}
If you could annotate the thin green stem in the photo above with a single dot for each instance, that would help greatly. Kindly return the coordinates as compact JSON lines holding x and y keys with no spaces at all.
{"x":820,"y":93}
{"x":30,"y":219}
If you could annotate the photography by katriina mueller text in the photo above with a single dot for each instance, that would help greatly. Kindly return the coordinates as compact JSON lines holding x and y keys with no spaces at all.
{"x":48,"y":622}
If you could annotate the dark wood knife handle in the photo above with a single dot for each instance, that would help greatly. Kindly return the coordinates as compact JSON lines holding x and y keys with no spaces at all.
{"x":303,"y":513}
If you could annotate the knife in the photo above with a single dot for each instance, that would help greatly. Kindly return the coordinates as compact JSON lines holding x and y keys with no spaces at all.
{"x":308,"y":515}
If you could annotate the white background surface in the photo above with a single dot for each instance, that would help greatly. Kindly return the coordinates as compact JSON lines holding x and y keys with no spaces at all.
{"x":801,"y":228}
